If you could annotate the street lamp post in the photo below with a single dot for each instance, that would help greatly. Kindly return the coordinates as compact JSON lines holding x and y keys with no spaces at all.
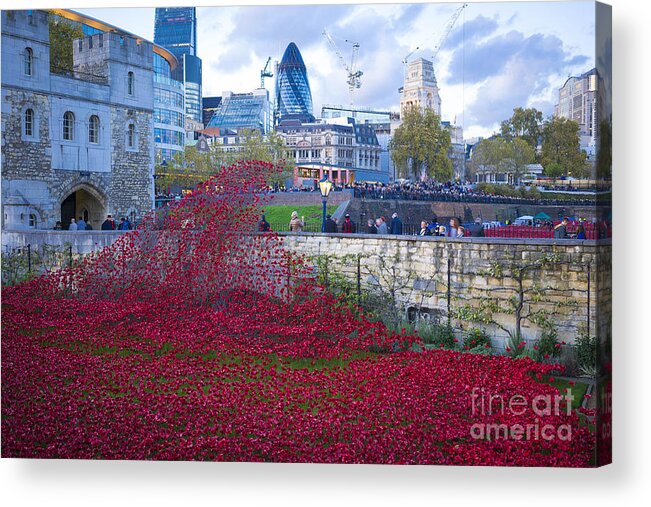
{"x":325,"y":186}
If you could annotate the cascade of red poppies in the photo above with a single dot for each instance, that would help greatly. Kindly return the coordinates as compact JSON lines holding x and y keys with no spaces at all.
{"x":195,"y":337}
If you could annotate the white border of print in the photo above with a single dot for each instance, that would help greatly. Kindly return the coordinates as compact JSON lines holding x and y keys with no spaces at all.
{"x":105,"y":483}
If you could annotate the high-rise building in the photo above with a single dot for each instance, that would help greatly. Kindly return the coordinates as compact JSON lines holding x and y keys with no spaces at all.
{"x":293,"y":94}
{"x":169,"y":110}
{"x":239,"y":111}
{"x":578,"y":100}
{"x":420,"y":89}
{"x":209,"y":106}
{"x":175,"y":28}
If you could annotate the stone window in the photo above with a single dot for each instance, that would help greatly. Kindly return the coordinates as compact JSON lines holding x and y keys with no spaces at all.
{"x":68,"y":126}
{"x":93,"y":129}
{"x":32,"y":221}
{"x":28,"y":61}
{"x":130,"y":83}
{"x":131,"y":136}
{"x":29,"y":123}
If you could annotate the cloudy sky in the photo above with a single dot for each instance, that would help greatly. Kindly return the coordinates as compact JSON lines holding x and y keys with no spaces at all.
{"x":499,"y":55}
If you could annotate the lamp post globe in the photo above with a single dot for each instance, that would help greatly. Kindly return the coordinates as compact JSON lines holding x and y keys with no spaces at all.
{"x":325,"y":186}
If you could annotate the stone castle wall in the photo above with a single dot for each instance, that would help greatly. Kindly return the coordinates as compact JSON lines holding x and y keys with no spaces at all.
{"x":418,"y":267}
{"x":578,"y":285}
{"x":41,"y":170}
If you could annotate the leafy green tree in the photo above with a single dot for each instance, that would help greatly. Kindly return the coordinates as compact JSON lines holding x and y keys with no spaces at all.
{"x":502,"y":156}
{"x":421,"y":144}
{"x":553,"y":170}
{"x":191,"y":167}
{"x":525,"y":124}
{"x":561,"y":146}
{"x":62,"y":34}
{"x":270,"y":149}
{"x":605,"y":154}
{"x":487,"y":156}
{"x":519,"y":155}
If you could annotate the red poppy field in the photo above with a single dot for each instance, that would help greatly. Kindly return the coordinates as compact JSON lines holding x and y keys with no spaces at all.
{"x":192,"y":339}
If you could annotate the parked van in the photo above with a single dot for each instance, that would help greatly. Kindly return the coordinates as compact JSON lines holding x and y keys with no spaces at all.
{"x":524,"y":220}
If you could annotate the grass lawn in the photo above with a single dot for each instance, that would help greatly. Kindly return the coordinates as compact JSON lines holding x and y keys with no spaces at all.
{"x":578,"y":390}
{"x":278,"y":216}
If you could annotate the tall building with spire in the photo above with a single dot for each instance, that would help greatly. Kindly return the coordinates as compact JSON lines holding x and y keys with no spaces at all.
{"x":293,"y":94}
{"x":420,"y":89}
{"x":175,"y":29}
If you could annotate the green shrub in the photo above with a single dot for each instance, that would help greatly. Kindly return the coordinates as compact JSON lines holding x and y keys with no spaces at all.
{"x":443,"y":336}
{"x":547,"y":346}
{"x":477,"y":337}
{"x":586,"y":354}
{"x":516,"y":346}
{"x":534,"y":193}
{"x":486,"y":351}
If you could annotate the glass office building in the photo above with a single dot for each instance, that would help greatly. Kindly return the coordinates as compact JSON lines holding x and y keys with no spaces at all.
{"x":210,"y":105}
{"x":175,"y":29}
{"x":293,"y":94}
{"x":243,"y":111}
{"x":169,"y":111}
{"x":192,"y":77}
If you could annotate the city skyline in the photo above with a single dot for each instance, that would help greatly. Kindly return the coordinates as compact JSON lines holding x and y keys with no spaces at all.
{"x":498,"y":55}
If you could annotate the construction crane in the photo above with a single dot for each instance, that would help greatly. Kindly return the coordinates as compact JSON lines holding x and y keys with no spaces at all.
{"x":265,"y":73}
{"x":444,"y":35}
{"x":353,"y":74}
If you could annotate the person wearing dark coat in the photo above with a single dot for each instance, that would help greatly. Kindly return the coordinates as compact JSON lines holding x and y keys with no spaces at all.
{"x":370,"y":227}
{"x":263,"y":225}
{"x":330,"y":225}
{"x":108,"y":224}
{"x":348,"y":226}
{"x":476,"y":229}
{"x":396,"y":225}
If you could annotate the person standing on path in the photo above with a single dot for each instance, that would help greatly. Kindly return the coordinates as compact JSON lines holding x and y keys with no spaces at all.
{"x":396,"y":225}
{"x":296,"y":224}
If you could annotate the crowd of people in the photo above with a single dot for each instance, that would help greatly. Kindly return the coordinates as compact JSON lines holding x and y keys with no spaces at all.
{"x":450,"y":192}
{"x":107,"y":225}
{"x":381,"y":225}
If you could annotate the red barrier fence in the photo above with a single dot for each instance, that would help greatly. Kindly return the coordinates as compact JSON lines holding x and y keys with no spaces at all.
{"x":532,"y":232}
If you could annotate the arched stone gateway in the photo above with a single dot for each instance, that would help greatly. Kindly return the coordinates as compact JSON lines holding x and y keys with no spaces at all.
{"x":84,"y":201}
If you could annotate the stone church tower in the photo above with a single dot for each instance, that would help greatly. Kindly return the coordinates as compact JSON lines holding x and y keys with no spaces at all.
{"x":420,"y":89}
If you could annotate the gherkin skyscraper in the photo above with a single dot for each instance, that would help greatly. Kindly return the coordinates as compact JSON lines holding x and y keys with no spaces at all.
{"x":293,"y":94}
